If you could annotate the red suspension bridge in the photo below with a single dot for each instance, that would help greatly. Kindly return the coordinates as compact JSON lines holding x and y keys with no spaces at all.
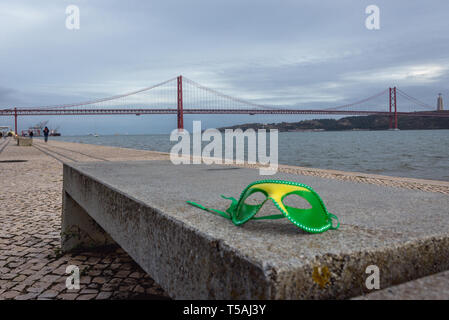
{"x":181,"y":96}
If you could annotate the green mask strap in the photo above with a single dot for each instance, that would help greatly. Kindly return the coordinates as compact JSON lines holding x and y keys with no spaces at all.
{"x":234,"y":203}
{"x":232,"y":208}
{"x":332,"y":216}
{"x":213,"y":211}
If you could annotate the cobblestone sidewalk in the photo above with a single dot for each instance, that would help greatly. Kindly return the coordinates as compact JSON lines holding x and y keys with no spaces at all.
{"x":31,"y":264}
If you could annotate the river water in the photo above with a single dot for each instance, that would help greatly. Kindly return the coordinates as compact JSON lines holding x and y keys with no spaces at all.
{"x":412,"y":153}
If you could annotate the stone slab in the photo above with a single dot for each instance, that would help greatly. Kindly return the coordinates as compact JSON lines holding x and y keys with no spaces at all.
{"x":195,"y":255}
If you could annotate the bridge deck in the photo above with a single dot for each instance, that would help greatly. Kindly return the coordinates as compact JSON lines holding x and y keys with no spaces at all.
{"x":192,"y":254}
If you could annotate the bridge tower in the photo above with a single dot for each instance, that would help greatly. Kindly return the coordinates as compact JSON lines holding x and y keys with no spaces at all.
{"x":180,"y":112}
{"x":393,"y":105}
{"x":15,"y":120}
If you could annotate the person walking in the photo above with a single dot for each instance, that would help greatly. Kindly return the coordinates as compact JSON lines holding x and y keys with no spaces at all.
{"x":31,"y":134}
{"x":46,"y":131}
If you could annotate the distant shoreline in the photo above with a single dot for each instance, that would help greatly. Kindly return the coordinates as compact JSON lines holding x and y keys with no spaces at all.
{"x":354,"y":123}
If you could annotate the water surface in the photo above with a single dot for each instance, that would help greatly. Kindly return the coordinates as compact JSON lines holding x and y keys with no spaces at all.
{"x":408,"y":153}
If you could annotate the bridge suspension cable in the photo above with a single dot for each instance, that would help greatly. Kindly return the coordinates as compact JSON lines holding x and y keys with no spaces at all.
{"x":412,"y":99}
{"x":230,"y":98}
{"x":104,"y":99}
{"x":358,"y":102}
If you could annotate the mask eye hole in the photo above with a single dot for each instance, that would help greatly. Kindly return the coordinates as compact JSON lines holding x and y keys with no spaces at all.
{"x":295,"y":201}
{"x":256,"y":198}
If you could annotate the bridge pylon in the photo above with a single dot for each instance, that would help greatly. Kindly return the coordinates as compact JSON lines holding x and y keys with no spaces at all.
{"x":15,"y":120}
{"x":393,"y":105}
{"x":180,"y":111}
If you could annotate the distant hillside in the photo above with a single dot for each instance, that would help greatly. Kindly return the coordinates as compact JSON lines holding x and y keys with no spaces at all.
{"x":373,"y":122}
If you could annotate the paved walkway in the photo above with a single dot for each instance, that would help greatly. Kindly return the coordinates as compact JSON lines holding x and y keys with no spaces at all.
{"x":31,"y":264}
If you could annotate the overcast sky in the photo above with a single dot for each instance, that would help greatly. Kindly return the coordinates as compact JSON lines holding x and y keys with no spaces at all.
{"x":308,"y":53}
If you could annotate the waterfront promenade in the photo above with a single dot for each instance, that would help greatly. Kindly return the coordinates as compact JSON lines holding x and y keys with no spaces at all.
{"x":31,"y":264}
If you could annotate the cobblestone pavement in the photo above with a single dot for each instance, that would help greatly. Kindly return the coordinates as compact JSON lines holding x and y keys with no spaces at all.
{"x":31,"y":263}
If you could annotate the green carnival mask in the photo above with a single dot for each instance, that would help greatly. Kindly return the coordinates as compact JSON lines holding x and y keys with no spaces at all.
{"x":314,"y":220}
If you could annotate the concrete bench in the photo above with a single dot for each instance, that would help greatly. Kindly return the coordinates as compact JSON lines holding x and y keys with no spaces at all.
{"x":195,"y":255}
